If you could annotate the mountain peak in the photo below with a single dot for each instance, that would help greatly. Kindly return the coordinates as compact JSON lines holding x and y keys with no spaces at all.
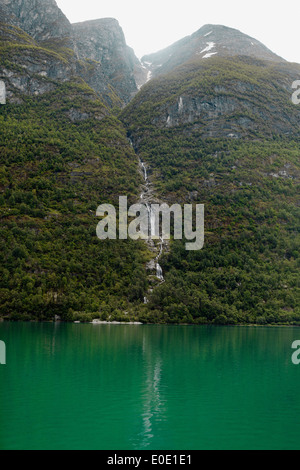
{"x":96,"y":50}
{"x":210,"y":40}
{"x":41,"y":19}
{"x":103,"y":42}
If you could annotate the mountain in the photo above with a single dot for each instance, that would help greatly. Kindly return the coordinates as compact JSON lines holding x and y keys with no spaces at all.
{"x":63,"y":152}
{"x":7,"y":16}
{"x":222,"y":131}
{"x":208,"y":41}
{"x":213,"y":123}
{"x":102,"y":42}
{"x":41,"y":19}
{"x":41,"y":40}
{"x":222,"y":97}
{"x":27,"y":68}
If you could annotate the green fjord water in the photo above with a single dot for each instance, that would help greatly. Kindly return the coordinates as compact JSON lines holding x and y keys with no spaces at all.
{"x":117,"y":387}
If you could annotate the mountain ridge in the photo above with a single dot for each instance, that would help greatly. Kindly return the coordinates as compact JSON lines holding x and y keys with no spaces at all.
{"x":109,"y":72}
{"x":210,"y":40}
{"x":219,"y":130}
{"x":98,"y":52}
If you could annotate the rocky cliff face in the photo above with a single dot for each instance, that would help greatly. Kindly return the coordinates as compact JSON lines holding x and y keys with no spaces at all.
{"x":27,"y":68}
{"x":221,"y":81}
{"x":102,"y":42}
{"x":237,"y":106}
{"x":6,"y":16}
{"x":2,"y":93}
{"x":221,"y":98}
{"x":95,"y":51}
{"x":41,"y":19}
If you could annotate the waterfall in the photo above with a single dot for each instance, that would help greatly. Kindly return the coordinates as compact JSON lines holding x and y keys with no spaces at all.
{"x":144,"y":170}
{"x":180,"y":105}
{"x":159,"y":273}
{"x":151,"y":215}
{"x":151,"y":219}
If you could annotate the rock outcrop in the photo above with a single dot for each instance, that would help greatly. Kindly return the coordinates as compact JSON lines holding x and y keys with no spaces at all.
{"x":111,"y":62}
{"x":220,"y":98}
{"x":96,"y":51}
{"x":41,"y":19}
{"x":6,"y":16}
{"x":2,"y":92}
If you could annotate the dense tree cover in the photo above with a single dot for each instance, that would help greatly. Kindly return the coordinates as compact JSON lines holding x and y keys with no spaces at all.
{"x":55,"y":172}
{"x":64,"y":153}
{"x":248,"y":270}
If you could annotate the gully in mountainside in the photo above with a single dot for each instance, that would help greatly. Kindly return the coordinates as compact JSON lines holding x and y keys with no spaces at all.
{"x":147,"y":198}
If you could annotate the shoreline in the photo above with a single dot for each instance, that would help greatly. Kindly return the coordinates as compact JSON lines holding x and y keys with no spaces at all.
{"x":136,"y":323}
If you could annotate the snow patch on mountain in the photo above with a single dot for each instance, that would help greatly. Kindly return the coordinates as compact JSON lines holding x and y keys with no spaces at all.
{"x":210,"y":54}
{"x":209,"y":47}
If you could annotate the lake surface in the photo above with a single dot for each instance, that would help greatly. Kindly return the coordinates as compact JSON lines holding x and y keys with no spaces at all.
{"x":118,"y":387}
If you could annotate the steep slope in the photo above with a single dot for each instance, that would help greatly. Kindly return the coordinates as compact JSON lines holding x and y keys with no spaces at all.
{"x":62,"y":157}
{"x":207,"y":42}
{"x":102,"y":42}
{"x":27,"y":68}
{"x":214,"y":128}
{"x":62,"y":154}
{"x":41,"y":19}
{"x":96,"y":50}
{"x":6,"y":16}
{"x":55,"y":175}
{"x":222,"y":97}
{"x":224,"y":132}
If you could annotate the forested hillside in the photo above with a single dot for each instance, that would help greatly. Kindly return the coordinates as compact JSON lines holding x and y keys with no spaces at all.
{"x":218,"y":129}
{"x":55,"y":173}
{"x":226,"y":134}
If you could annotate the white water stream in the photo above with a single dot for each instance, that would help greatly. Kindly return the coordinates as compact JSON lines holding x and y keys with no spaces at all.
{"x":151,"y":219}
{"x":145,"y":195}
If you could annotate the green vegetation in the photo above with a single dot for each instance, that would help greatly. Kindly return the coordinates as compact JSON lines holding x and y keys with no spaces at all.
{"x":65,"y":152}
{"x":54,"y":174}
{"x":248,"y":270}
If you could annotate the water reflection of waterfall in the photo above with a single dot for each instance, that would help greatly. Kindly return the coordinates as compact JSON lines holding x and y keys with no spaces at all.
{"x":153,"y":409}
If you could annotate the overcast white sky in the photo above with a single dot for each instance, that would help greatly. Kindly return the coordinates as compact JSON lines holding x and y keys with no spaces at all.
{"x":154,"y":24}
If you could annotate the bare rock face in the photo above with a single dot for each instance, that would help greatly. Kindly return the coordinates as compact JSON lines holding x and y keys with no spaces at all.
{"x":2,"y":92}
{"x":25,"y":67}
{"x":41,"y":19}
{"x":7,"y":16}
{"x":95,"y":50}
{"x":103,"y":43}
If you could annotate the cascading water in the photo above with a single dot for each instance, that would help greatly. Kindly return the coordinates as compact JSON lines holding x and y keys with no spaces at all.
{"x":144,"y":170}
{"x":159,"y":272}
{"x":151,"y":218}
